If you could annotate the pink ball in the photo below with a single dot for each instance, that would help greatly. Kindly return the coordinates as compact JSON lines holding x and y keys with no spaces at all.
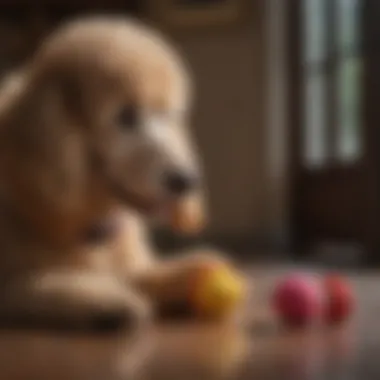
{"x":298,"y":300}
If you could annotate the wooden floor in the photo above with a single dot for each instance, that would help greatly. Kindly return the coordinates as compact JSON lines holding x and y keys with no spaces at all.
{"x":256,"y":349}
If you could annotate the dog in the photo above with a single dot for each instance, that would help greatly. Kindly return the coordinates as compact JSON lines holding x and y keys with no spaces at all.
{"x":95,"y":145}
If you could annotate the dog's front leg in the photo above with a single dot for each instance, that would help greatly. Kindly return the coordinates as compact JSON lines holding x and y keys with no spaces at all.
{"x":72,"y":300}
{"x":168,"y":283}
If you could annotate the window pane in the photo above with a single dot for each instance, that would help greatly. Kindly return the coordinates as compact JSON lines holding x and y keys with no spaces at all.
{"x":314,"y":29}
{"x":347,"y":24}
{"x":314,"y":139}
{"x":349,"y":94}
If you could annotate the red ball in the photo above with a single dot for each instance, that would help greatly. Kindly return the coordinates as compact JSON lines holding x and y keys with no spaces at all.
{"x":298,"y":300}
{"x":339,"y":299}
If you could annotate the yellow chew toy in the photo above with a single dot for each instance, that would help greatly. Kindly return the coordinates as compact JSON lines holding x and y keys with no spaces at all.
{"x":217,"y":291}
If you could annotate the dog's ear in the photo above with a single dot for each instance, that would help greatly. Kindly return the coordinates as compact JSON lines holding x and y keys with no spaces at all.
{"x":71,"y":96}
{"x":43,"y":152}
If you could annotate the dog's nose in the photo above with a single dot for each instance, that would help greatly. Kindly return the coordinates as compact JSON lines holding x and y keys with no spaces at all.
{"x":180,"y":183}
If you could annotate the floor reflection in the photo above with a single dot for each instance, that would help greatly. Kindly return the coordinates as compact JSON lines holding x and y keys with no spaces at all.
{"x":258,"y":349}
{"x":180,"y":352}
{"x":201,"y":352}
{"x":46,"y":355}
{"x":303,"y":355}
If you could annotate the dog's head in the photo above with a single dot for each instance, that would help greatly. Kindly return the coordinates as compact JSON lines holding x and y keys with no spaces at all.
{"x":104,"y":111}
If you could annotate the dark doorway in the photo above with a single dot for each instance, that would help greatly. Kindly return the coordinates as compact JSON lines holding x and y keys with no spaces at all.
{"x":334,"y":165}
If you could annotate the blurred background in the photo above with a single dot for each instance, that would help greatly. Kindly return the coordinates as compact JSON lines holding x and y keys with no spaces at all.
{"x":287,"y":113}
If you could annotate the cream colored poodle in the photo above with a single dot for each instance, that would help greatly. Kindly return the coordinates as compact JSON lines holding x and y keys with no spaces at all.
{"x":94,"y":146}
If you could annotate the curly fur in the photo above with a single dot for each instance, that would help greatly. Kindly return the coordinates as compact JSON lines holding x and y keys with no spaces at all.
{"x":66,"y":164}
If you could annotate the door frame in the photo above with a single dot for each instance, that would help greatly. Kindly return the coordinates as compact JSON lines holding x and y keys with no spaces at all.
{"x":370,"y":29}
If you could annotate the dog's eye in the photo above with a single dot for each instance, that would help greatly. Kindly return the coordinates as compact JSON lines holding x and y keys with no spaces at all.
{"x":128,"y":118}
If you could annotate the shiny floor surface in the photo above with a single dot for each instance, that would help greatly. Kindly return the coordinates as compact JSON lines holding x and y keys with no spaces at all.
{"x":257,"y":349}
